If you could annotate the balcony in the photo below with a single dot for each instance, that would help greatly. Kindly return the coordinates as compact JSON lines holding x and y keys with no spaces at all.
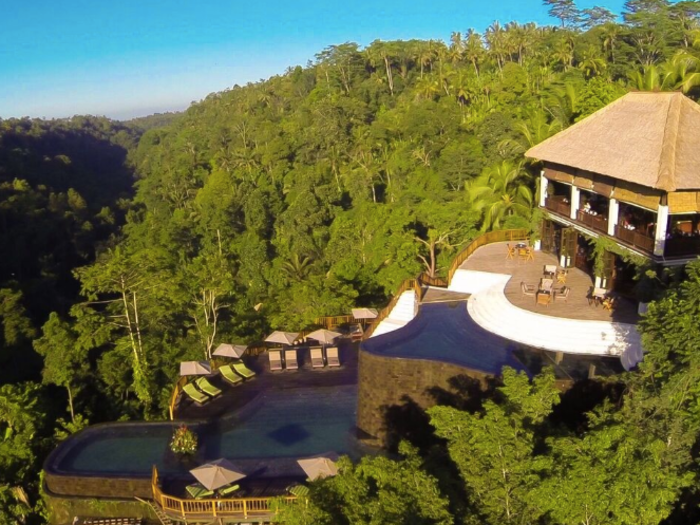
{"x":680,"y":246}
{"x":558,"y":204}
{"x":635,"y":238}
{"x":597,"y":222}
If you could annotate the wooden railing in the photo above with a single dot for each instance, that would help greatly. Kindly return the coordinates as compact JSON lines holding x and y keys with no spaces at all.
{"x":330,"y":322}
{"x":181,"y":382}
{"x":635,"y":238}
{"x":557,"y":204}
{"x":408,"y":284}
{"x":482,"y":240}
{"x":597,"y":222}
{"x":679,"y":246}
{"x":425,"y":279}
{"x":202,"y":508}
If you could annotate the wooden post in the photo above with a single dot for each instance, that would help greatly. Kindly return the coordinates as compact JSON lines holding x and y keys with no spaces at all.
{"x":213,"y":507}
{"x":245,"y":510}
{"x":558,"y":357}
{"x":591,"y":371}
{"x":182,"y":508}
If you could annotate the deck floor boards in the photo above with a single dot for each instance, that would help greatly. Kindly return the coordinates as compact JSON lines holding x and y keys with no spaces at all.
{"x":492,"y":258}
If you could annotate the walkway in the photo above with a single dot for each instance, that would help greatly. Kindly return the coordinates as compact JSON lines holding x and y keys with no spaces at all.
{"x":574,"y":327}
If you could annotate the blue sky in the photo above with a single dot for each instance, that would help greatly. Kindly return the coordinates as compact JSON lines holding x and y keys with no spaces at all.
{"x":128,"y":58}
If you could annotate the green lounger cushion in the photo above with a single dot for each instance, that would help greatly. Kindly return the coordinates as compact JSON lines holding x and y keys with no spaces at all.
{"x":205,"y":386}
{"x":194,"y":394}
{"x":229,"y":375}
{"x":197,"y":491}
{"x":243,"y":370}
{"x":229,"y":490}
{"x":300,"y":491}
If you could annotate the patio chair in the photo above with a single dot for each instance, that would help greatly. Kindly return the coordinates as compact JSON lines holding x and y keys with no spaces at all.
{"x":528,"y":289}
{"x":511,"y":251}
{"x":227,"y":491}
{"x":205,"y":386}
{"x":198,"y":491}
{"x":290,"y":358}
{"x":544,"y":298}
{"x":316,"y":357}
{"x":243,"y":371}
{"x":356,"y":332}
{"x":275,"y":360}
{"x":562,"y":294}
{"x":550,"y":270}
{"x":609,"y":303}
{"x":332,"y":356}
{"x":229,"y":375}
{"x":194,"y":394}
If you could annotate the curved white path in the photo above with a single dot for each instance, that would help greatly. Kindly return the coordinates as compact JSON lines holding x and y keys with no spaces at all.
{"x":491,"y":310}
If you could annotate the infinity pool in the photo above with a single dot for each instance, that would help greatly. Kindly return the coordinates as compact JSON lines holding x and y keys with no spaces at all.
{"x":288,"y":423}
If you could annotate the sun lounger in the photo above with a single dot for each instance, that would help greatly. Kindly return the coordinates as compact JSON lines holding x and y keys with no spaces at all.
{"x":205,"y":386}
{"x":197,"y":491}
{"x":194,"y":394}
{"x":290,"y":358}
{"x":317,"y":357}
{"x":275,"y":360}
{"x":229,"y":375}
{"x":226,"y":491}
{"x":243,"y":370}
{"x":300,"y":491}
{"x":332,"y":356}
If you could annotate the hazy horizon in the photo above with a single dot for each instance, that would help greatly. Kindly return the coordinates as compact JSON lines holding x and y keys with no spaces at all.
{"x":129,"y":60}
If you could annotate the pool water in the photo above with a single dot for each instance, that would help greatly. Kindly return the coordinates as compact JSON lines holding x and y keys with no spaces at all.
{"x":277,"y":424}
{"x":446,"y":332}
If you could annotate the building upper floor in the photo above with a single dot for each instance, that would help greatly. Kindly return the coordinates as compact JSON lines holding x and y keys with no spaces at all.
{"x":630,"y":171}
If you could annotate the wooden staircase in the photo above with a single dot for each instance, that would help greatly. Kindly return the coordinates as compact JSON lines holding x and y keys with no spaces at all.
{"x":162,"y":516}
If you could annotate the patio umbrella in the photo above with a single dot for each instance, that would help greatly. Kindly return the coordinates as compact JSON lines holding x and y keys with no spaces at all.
{"x":364,"y":313}
{"x":195,"y":368}
{"x":324,"y":336}
{"x":320,"y":467}
{"x":229,"y":350}
{"x":285,"y":338}
{"x":217,"y":474}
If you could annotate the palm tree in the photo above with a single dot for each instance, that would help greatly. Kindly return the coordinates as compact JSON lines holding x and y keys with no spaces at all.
{"x":456,"y":47}
{"x":495,"y":41}
{"x":682,"y":72}
{"x":591,"y":63}
{"x":297,"y":268}
{"x":610,"y":33}
{"x":474,"y":49}
{"x":501,"y":191}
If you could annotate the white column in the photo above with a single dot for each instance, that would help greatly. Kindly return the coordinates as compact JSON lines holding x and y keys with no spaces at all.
{"x":660,"y":232}
{"x":613,"y":216}
{"x":575,"y":201}
{"x":544,"y":182}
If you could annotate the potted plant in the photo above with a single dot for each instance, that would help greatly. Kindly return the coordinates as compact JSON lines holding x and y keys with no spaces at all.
{"x":184,"y":441}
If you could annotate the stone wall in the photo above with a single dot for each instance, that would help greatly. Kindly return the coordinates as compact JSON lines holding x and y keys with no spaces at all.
{"x":387,"y":383}
{"x":98,"y":487}
{"x":62,"y":509}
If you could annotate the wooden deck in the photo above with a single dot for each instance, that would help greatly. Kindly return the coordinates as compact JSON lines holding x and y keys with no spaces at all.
{"x":492,"y":258}
{"x":235,"y":397}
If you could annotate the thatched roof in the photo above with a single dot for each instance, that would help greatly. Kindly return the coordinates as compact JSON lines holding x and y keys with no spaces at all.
{"x":652,"y":139}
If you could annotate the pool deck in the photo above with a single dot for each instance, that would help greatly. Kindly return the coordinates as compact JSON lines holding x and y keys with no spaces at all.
{"x":492,"y":258}
{"x":236,"y":397}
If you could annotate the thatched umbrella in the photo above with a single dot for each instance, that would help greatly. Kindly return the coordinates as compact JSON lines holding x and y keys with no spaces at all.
{"x":195,"y":368}
{"x":229,"y":350}
{"x":217,"y":474}
{"x":320,"y":467}
{"x":284,"y":338}
{"x":323,"y":336}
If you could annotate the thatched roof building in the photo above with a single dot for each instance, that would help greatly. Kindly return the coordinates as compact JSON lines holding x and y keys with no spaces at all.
{"x":650,"y":139}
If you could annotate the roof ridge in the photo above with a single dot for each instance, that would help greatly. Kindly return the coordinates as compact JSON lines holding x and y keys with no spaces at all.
{"x":666,"y":178}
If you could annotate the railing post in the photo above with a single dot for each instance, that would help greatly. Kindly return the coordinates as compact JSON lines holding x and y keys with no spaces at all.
{"x":245,"y":510}
{"x":213,"y":507}
{"x":182,"y":508}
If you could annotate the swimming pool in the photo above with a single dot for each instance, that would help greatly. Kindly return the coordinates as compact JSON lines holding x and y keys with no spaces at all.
{"x":288,"y":423}
{"x":446,"y":332}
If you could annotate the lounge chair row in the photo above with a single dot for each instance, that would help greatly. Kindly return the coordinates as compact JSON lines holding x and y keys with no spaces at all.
{"x":201,"y":390}
{"x":331,"y":359}
{"x":199,"y":491}
{"x":290,"y":361}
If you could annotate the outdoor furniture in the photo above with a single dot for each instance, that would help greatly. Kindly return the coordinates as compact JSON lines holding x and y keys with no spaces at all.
{"x":226,"y":491}
{"x":316,"y":357}
{"x":544,"y":298}
{"x":609,"y":303}
{"x":546,"y":285}
{"x":332,"y":356}
{"x":229,"y":350}
{"x":356,"y":332}
{"x":597,"y":296}
{"x":511,"y":251}
{"x":275,"y":357}
{"x":194,"y":394}
{"x":229,"y":375}
{"x":243,"y":370}
{"x":550,"y":270}
{"x":290,"y":358}
{"x":528,"y":289}
{"x":523,"y":253}
{"x":300,"y":491}
{"x":562,"y":294}
{"x":561,"y":275}
{"x":205,"y":386}
{"x":198,"y":491}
